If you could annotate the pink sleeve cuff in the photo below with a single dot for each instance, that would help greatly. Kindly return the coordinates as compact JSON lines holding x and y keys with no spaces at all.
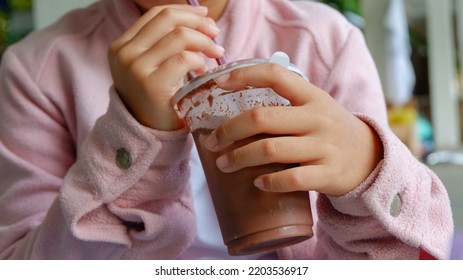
{"x":404,"y":196}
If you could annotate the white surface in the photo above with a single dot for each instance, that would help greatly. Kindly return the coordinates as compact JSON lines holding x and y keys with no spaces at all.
{"x":48,"y":11}
{"x":400,"y":72}
{"x":375,"y":34}
{"x":442,"y":57}
{"x":442,"y":63}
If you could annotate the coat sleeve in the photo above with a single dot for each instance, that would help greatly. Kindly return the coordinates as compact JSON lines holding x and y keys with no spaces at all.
{"x":402,"y":208}
{"x":122,"y":194}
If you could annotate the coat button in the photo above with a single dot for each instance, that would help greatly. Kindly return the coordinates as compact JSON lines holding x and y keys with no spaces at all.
{"x":396,"y":206}
{"x":123,"y":159}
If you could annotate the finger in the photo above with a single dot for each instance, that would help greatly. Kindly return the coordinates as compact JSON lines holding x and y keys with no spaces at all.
{"x":300,"y":178}
{"x":185,"y":38}
{"x":175,"y":42}
{"x":129,"y":46}
{"x":270,"y":75}
{"x":173,"y":70}
{"x":147,"y":17}
{"x":280,"y":120}
{"x":169,"y":19}
{"x":288,"y":150}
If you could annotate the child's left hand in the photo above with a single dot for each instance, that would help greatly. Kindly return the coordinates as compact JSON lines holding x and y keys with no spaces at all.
{"x":335,"y":149}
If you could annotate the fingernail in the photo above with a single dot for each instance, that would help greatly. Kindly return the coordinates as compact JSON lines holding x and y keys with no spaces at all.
{"x":221,"y":49}
{"x":222,"y":162}
{"x":211,"y":141}
{"x":222,"y":79}
{"x":213,"y":26}
{"x":215,"y":30}
{"x":259,"y":183}
{"x":203,"y":10}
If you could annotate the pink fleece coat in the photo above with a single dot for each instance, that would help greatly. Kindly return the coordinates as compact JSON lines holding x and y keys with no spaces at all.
{"x":63,"y":196}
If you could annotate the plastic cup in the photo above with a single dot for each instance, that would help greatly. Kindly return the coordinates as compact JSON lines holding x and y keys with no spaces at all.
{"x":250,"y":220}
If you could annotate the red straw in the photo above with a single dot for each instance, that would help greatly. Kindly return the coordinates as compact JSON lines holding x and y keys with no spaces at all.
{"x":221,"y":60}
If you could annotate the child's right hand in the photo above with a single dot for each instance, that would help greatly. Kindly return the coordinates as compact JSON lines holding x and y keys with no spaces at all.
{"x":149,"y":61}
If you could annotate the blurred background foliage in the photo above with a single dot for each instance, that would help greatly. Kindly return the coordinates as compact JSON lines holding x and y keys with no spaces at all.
{"x":15,"y":21}
{"x":345,"y":6}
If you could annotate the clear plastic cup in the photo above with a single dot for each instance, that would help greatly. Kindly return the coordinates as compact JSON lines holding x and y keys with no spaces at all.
{"x":250,"y":220}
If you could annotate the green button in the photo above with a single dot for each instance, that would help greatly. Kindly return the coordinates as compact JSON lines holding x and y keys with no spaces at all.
{"x":123,"y":159}
{"x":396,"y":206}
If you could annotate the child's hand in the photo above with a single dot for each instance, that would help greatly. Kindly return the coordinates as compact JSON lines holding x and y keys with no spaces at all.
{"x":148,"y":62}
{"x":336,"y":150}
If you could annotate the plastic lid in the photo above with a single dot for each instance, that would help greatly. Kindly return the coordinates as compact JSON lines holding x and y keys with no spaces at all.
{"x":278,"y":57}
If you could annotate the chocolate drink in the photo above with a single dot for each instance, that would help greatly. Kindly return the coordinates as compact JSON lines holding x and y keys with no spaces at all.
{"x":252,"y":220}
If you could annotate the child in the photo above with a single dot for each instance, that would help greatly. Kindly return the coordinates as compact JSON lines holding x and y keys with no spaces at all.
{"x":95,"y":164}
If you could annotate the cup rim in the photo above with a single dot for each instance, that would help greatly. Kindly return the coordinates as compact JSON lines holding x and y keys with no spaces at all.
{"x":220,"y":70}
